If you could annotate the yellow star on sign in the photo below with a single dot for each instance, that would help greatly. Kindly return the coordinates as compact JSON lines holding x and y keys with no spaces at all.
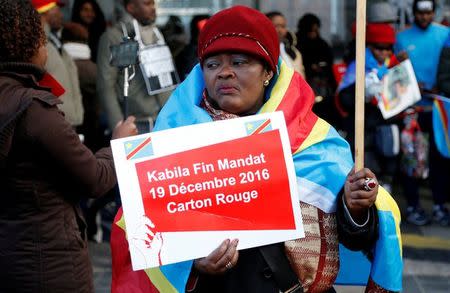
{"x":250,"y":126}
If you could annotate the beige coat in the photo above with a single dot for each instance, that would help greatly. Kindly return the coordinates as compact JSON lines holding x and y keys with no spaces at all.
{"x":297,"y":63}
{"x":110,"y":81}
{"x":63,"y":69}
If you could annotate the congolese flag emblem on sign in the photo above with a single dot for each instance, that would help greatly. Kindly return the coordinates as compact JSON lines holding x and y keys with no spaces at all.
{"x":138,"y":148}
{"x":258,"y":126}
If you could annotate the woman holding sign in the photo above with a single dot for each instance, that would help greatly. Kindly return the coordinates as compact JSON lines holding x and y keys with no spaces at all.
{"x":240,"y":74}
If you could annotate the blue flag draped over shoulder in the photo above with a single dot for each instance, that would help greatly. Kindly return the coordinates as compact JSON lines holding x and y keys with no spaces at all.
{"x":322,"y":160}
{"x":387,"y":265}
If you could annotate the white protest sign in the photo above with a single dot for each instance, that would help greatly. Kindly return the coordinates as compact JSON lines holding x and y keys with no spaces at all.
{"x":187,"y":189}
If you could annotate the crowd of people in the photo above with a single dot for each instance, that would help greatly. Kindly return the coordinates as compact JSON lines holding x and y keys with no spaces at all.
{"x":63,"y":101}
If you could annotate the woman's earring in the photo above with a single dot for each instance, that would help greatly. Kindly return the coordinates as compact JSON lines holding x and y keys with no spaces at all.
{"x":266,"y":82}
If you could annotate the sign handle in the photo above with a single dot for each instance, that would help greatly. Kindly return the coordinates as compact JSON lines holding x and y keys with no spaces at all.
{"x":360,"y":83}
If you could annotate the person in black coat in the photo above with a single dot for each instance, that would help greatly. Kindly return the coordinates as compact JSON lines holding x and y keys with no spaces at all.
{"x":89,"y":14}
{"x":318,"y":62}
{"x":187,"y":58}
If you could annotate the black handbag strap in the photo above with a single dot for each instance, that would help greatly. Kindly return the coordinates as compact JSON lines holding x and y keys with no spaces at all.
{"x":278,"y":263}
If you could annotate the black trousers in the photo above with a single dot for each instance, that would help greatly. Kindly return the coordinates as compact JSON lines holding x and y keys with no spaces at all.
{"x":439,"y":170}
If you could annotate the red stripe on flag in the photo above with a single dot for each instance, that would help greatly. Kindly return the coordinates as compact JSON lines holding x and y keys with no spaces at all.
{"x":299,"y":117}
{"x":261,"y":127}
{"x":139,"y":147}
{"x":444,"y":116}
{"x":124,"y":279}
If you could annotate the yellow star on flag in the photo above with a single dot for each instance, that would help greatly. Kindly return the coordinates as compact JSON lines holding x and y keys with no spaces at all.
{"x":129,"y":145}
{"x":250,"y":126}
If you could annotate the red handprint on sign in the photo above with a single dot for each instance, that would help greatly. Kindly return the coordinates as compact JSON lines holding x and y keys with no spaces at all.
{"x":147,"y":241}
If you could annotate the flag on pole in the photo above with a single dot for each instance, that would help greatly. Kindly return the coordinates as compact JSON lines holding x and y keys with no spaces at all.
{"x":441,"y":115}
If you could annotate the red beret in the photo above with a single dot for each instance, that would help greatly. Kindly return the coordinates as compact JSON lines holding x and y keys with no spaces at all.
{"x":240,"y":29}
{"x":380,"y":33}
{"x":42,"y":6}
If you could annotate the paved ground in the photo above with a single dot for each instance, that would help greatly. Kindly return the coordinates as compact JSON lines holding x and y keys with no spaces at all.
{"x":426,"y":253}
{"x":101,"y":261}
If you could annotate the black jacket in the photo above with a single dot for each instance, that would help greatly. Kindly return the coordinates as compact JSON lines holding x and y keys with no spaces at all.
{"x":252,"y":274}
{"x":443,"y":76}
{"x":44,"y":172}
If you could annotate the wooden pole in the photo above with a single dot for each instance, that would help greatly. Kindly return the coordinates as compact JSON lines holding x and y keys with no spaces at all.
{"x":360,"y":83}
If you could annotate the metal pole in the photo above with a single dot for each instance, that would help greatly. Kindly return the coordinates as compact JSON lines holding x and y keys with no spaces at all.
{"x":228,"y":3}
{"x":402,"y":14}
{"x":333,"y":17}
{"x":126,"y":85}
{"x":257,"y":4}
{"x":216,"y":6}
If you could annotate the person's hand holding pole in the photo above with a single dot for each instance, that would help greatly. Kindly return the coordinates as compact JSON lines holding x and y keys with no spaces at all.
{"x":125,"y":128}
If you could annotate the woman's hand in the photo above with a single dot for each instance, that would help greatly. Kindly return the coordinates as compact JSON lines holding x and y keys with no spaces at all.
{"x":78,"y":30}
{"x":360,"y":193}
{"x":402,"y":56}
{"x":220,"y":260}
{"x":125,"y":128}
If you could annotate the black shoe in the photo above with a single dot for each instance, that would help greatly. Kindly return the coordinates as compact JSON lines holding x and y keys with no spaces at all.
{"x":416,"y":216}
{"x":441,"y":215}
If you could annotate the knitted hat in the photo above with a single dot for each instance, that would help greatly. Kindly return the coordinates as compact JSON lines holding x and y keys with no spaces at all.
{"x":380,"y":33}
{"x":424,"y":5}
{"x":240,"y":29}
{"x":42,"y":6}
